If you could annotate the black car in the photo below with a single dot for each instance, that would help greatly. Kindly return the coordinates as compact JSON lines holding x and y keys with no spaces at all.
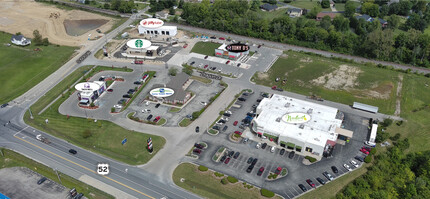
{"x":42,"y":180}
{"x":282,"y":152}
{"x":265,"y":95}
{"x":101,"y":79}
{"x":264,"y":145}
{"x":291,"y":155}
{"x":320,"y":180}
{"x":122,"y":101}
{"x":231,"y":153}
{"x":126,"y":96}
{"x":254,"y":161}
{"x":149,"y":117}
{"x":197,"y":129}
{"x":259,"y":100}
{"x":250,"y":159}
{"x":131,"y":90}
{"x":4,"y":105}
{"x":279,"y":89}
{"x":206,"y":56}
{"x":73,"y":151}
{"x":303,"y":188}
{"x":236,"y":155}
{"x":79,"y":196}
{"x":241,"y":99}
{"x":193,"y":62}
{"x":334,"y":169}
{"x":238,"y":64}
{"x":227,"y":114}
{"x":198,"y":146}
{"x":157,"y":105}
{"x":137,"y":82}
{"x":223,"y":158}
{"x":215,"y":127}
{"x":225,"y":128}
{"x":359,"y":158}
{"x":213,"y":37}
{"x":249,"y":169}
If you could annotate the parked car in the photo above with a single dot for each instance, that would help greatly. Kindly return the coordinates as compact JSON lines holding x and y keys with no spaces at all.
{"x":354,"y":163}
{"x":197,"y":129}
{"x":238,"y":132}
{"x":215,"y":127}
{"x":272,"y":149}
{"x":221,"y":38}
{"x":206,"y":66}
{"x":303,"y":188}
{"x":213,"y":37}
{"x":282,"y":152}
{"x":259,"y":100}
{"x":157,"y":105}
{"x":149,"y":117}
{"x":186,"y":45}
{"x":235,"y":123}
{"x":225,"y":128}
{"x":236,"y":155}
{"x":278,"y":170}
{"x":121,"y":101}
{"x":264,"y":146}
{"x":291,"y":155}
{"x":359,"y":158}
{"x":226,"y":114}
{"x":347,"y":167}
{"x":371,"y":144}
{"x":231,"y":153}
{"x":321,"y":181}
{"x":206,"y":56}
{"x":110,"y":90}
{"x":126,"y":96}
{"x":364,"y":151}
{"x":146,"y":111}
{"x":241,"y":99}
{"x":137,"y":82}
{"x":42,"y":180}
{"x":198,"y":146}
{"x":242,"y":127}
{"x":258,"y":145}
{"x":366,"y":148}
{"x":198,"y":151}
{"x":249,"y":169}
{"x":238,"y":64}
{"x":228,"y":61}
{"x":73,"y":151}
{"x":250,"y":159}
{"x":223,"y":158}
{"x":328,"y":175}
{"x":79,"y":196}
{"x":309,"y":181}
{"x":131,"y":90}
{"x":334,"y":169}
{"x":254,"y":161}
{"x":157,"y":118}
{"x":192,"y":63}
{"x":260,"y":171}
{"x":227,"y":161}
{"x":245,"y":140}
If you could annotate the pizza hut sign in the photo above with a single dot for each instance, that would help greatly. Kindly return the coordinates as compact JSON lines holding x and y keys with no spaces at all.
{"x":151,"y":23}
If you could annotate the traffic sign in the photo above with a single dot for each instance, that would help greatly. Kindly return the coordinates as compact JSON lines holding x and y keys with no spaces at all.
{"x":124,"y":141}
{"x":103,"y":168}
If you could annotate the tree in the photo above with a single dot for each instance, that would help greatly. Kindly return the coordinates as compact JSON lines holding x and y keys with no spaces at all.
{"x":18,"y":33}
{"x":325,"y":3}
{"x":383,"y":11}
{"x":173,"y":71}
{"x":187,"y":69}
{"x":45,"y":42}
{"x":368,"y":159}
{"x":255,"y":5}
{"x":379,"y":43}
{"x":37,"y":37}
{"x":404,"y":7}
{"x":349,"y":9}
{"x":288,"y":1}
{"x":341,"y":23}
{"x":393,"y":21}
{"x":272,"y":1}
{"x":325,"y":22}
{"x":171,"y":11}
{"x":112,"y":110}
{"x":181,"y":3}
{"x":416,"y":22}
{"x":115,"y":4}
{"x":370,"y":9}
{"x":106,"y":6}
{"x":86,"y":134}
{"x":313,"y":13}
{"x":175,"y":19}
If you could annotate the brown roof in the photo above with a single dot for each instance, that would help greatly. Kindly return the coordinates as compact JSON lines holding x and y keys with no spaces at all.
{"x":322,"y":14}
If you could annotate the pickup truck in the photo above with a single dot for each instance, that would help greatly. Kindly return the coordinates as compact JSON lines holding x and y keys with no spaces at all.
{"x":42,"y":139}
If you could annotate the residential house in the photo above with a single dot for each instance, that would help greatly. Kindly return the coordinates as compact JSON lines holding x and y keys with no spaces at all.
{"x":295,"y":12}
{"x":323,"y":14}
{"x":368,"y":18}
{"x":269,"y":7}
{"x":20,"y":40}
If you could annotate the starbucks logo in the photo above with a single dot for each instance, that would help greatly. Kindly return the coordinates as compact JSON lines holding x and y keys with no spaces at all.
{"x":138,"y":43}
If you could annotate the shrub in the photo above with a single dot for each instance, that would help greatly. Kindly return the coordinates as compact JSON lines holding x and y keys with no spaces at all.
{"x":267,"y":193}
{"x":112,"y":110}
{"x":249,"y":186}
{"x":368,"y":159}
{"x":92,"y":104}
{"x":218,"y":174}
{"x":173,"y":71}
{"x":372,"y":151}
{"x":86,"y":133}
{"x":399,"y":123}
{"x":224,"y":181}
{"x":311,"y":159}
{"x":395,"y":137}
{"x":387,"y":122}
{"x":202,"y":168}
{"x":236,"y":135}
{"x":284,"y":172}
{"x":232,"y":179}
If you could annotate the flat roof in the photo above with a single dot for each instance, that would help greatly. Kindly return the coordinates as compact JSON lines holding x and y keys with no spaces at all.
{"x":318,"y":126}
{"x":365,"y":107}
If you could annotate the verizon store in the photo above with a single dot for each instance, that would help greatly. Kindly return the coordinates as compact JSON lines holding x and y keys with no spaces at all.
{"x":89,"y":91}
{"x":153,"y":26}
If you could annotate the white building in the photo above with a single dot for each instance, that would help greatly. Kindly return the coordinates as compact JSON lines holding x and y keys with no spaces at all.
{"x":306,"y":127}
{"x":89,"y":91}
{"x":153,"y":26}
{"x":224,"y":53}
{"x":20,"y":40}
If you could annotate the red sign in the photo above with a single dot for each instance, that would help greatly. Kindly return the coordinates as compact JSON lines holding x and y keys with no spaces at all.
{"x":151,"y":23}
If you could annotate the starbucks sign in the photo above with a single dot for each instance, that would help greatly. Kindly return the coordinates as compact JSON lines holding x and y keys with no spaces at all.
{"x":296,"y":118}
{"x":138,"y":43}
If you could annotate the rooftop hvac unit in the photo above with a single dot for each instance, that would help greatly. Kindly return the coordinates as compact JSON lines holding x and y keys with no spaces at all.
{"x":302,"y":126}
{"x":278,"y":119}
{"x":287,"y":105}
{"x":316,"y":139}
{"x":310,"y":111}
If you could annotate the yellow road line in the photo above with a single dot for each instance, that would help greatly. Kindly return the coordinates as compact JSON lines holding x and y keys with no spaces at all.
{"x":85,"y":167}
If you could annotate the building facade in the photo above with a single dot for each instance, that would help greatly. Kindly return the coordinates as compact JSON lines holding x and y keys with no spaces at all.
{"x":88,"y":92}
{"x":163,"y":30}
{"x":224,"y":53}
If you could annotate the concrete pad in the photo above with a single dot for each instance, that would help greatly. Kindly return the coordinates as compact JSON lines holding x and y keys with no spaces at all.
{"x":105,"y":187}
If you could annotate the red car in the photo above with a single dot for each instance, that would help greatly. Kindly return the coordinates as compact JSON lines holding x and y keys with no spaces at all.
{"x":228,"y":61}
{"x":235,"y":123}
{"x":366,"y":148}
{"x":198,"y":151}
{"x":238,"y":132}
{"x":221,"y":38}
{"x":227,"y":160}
{"x":364,"y":151}
{"x":138,"y":62}
{"x":186,"y":45}
{"x":274,"y":87}
{"x":157,"y":118}
{"x":309,"y":181}
{"x":260,"y":171}
{"x":206,"y":66}
{"x":110,"y":90}
{"x":278,"y":170}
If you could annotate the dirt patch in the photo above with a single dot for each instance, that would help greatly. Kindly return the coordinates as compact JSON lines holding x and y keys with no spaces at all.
{"x":306,"y":60}
{"x":262,"y":76}
{"x":380,"y":91}
{"x":343,"y":78}
{"x":27,"y":16}
{"x":284,"y":56}
{"x":399,"y":97}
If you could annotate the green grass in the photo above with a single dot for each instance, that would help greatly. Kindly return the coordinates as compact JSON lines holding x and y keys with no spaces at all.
{"x":308,"y":4}
{"x":161,"y":122}
{"x":13,"y":159}
{"x":273,"y":14}
{"x":118,"y":22}
{"x":22,"y":67}
{"x":301,"y":73}
{"x":185,"y":122}
{"x":207,"y":185}
{"x":212,"y":131}
{"x":105,"y":137}
{"x":201,"y":79}
{"x":141,"y":6}
{"x":205,"y":48}
{"x":174,"y":110}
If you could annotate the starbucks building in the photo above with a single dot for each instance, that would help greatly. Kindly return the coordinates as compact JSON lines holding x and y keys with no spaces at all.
{"x":305,"y":127}
{"x":141,"y":47}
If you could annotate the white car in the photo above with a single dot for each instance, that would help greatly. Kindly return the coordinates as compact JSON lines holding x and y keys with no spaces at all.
{"x":368,"y":143}
{"x":347,"y":167}
{"x":146,"y":111}
{"x":117,"y":106}
{"x":354,"y":163}
{"x":272,"y":149}
{"x":203,"y":103}
{"x":258,"y":145}
{"x":229,"y":112}
{"x":147,"y":103}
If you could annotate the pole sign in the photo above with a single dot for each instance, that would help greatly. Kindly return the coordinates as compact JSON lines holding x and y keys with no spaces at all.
{"x":237,"y":48}
{"x":124,"y":141}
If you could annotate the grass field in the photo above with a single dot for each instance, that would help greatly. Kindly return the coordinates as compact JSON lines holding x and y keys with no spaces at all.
{"x":174,"y":110}
{"x":372,"y":86}
{"x":212,"y":187}
{"x":273,"y":14}
{"x":104,"y":137}
{"x":202,"y":79}
{"x":185,"y":122}
{"x":22,"y":67}
{"x":13,"y":159}
{"x":205,"y":48}
{"x":308,"y":4}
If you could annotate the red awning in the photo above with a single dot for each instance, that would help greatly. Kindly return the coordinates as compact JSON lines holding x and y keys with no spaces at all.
{"x":259,"y":133}
{"x":332,"y":143}
{"x":218,"y":53}
{"x":232,"y":56}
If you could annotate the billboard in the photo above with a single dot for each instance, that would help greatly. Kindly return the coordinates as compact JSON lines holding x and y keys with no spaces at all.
{"x":296,"y":118}
{"x":162,"y":92}
{"x":151,"y":23}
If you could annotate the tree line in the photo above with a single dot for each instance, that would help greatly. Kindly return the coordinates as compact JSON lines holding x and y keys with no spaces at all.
{"x":344,"y":34}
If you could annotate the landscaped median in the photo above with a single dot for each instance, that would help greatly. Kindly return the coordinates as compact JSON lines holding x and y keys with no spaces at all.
{"x":160,"y":122}
{"x":151,"y":74}
{"x":10,"y":158}
{"x":209,"y":184}
{"x":103,"y":137}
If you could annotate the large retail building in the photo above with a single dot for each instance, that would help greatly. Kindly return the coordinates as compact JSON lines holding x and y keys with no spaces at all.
{"x":153,"y":26}
{"x":309,"y":128}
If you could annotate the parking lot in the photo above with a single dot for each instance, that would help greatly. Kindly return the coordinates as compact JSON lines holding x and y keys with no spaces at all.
{"x":297,"y":171}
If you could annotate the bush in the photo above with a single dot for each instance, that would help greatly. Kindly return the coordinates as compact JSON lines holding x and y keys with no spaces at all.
{"x":224,"y":181}
{"x":284,"y":172}
{"x":372,"y":151}
{"x":381,"y":136}
{"x":86,"y":134}
{"x":387,"y":122}
{"x":173,"y":71}
{"x":202,"y":168}
{"x":311,"y":159}
{"x":112,"y":110}
{"x":267,"y":193}
{"x":232,"y":179}
{"x":368,"y":159}
{"x":92,"y":104}
{"x":218,"y":174}
{"x":236,"y":135}
{"x":399,"y":123}
{"x":395,"y":137}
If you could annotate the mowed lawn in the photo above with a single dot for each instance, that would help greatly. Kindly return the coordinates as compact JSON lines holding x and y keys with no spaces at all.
{"x":301,"y":70}
{"x":104,"y":136}
{"x":205,"y":48}
{"x":207,"y":185}
{"x":22,"y":67}
{"x":308,"y":4}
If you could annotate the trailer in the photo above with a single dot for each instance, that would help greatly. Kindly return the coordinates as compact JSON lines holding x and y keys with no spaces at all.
{"x":43,"y":139}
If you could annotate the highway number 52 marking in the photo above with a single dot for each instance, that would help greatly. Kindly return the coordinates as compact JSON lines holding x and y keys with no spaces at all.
{"x":103,"y":168}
